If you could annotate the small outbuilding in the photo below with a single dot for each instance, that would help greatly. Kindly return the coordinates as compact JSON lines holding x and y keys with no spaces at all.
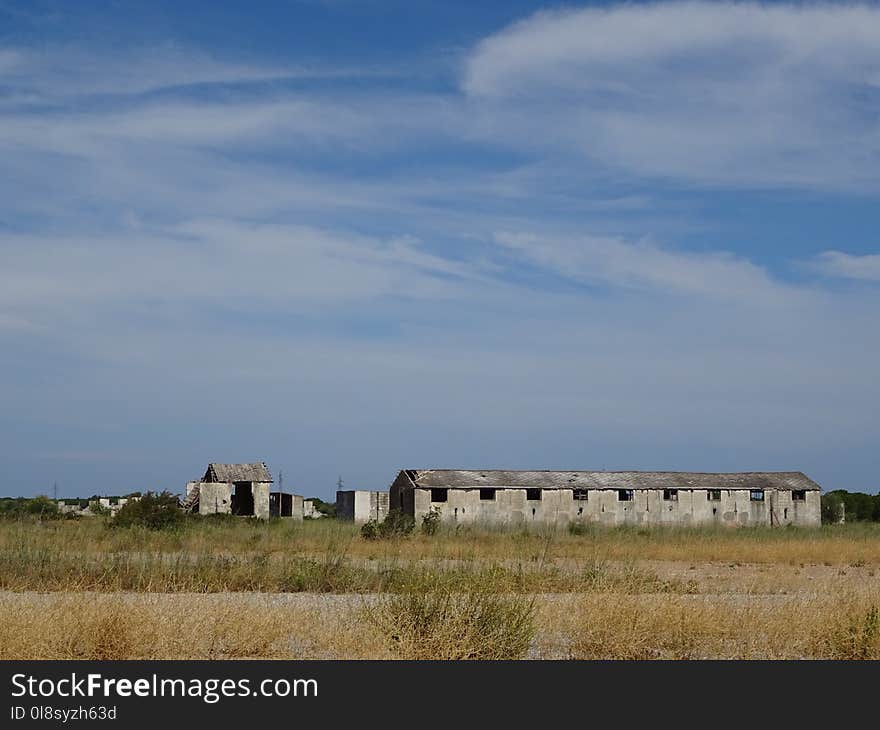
{"x":609,"y":498}
{"x":238,"y":489}
{"x":284,"y":504}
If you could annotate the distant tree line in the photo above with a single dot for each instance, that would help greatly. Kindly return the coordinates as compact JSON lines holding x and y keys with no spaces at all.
{"x":43,"y":508}
{"x":854,"y":506}
{"x":40,"y":507}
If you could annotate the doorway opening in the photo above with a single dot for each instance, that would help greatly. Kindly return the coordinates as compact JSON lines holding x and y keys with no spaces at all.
{"x":243,"y":499}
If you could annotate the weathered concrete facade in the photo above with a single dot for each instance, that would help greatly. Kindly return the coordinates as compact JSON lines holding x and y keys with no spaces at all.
{"x":283,"y":504}
{"x":238,"y":489}
{"x":609,"y":498}
{"x":213,"y":498}
{"x":361,"y":505}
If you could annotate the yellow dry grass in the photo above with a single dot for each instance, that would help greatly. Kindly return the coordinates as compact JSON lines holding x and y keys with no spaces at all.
{"x":832,"y":544}
{"x":596,"y":626}
{"x":178,"y":626}
{"x":316,"y":590}
{"x":713,"y":627}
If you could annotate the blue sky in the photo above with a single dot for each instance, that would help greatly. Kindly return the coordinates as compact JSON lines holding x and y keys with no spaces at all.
{"x":352,"y":237}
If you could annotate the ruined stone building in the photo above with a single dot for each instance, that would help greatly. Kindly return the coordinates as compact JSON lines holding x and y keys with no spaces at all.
{"x":83,"y":508}
{"x":361,"y":505}
{"x":284,"y":504}
{"x":608,"y":498}
{"x":237,"y":489}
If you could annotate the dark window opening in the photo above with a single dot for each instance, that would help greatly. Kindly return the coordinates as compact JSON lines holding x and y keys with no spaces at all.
{"x":785,"y":514}
{"x":714,"y":495}
{"x":580,"y":494}
{"x":487,"y":494}
{"x":670,"y":495}
{"x":624,"y":495}
{"x":439,"y":494}
{"x":533,"y":494}
{"x":799,"y":495}
{"x":756,"y":495}
{"x":243,"y":499}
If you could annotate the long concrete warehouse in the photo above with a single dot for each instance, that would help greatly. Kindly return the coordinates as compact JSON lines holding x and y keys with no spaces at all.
{"x":608,"y":497}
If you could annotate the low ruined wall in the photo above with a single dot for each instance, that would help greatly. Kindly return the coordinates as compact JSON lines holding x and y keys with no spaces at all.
{"x":298,"y":507}
{"x":602,"y":506}
{"x":378,"y":505}
{"x":361,"y":505}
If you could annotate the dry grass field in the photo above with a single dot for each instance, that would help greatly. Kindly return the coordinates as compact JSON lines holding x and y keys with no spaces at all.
{"x":238,"y":588}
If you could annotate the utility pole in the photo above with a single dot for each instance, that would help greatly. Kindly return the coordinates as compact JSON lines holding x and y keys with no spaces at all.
{"x":280,"y":493}
{"x":55,"y":492}
{"x":339,"y":483}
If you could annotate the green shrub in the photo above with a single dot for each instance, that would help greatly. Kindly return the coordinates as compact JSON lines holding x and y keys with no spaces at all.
{"x":152,"y":511}
{"x":98,"y":509}
{"x":328,"y":509}
{"x":395,"y":524}
{"x":41,"y":508}
{"x":832,"y":505}
{"x":370,"y":530}
{"x":431,"y":522}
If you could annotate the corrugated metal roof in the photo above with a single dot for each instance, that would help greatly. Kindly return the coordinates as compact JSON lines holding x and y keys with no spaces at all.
{"x":472,"y":479}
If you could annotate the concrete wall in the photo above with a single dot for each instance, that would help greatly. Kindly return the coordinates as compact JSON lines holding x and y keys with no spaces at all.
{"x":379,"y":505}
{"x":261,"y":500}
{"x":292,"y":501}
{"x":648,"y":507}
{"x":215,"y":498}
{"x":361,"y":505}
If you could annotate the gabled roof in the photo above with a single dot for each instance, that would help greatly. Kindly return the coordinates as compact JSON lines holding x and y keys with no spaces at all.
{"x":258,"y":472}
{"x":474,"y":479}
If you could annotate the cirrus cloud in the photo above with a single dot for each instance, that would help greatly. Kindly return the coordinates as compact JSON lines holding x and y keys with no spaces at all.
{"x":721,"y":93}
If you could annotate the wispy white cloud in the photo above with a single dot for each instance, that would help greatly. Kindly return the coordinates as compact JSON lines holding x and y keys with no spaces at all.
{"x":217,"y":263}
{"x":58,"y":73}
{"x":644,"y":265}
{"x":718,"y":92}
{"x":848,"y":266}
